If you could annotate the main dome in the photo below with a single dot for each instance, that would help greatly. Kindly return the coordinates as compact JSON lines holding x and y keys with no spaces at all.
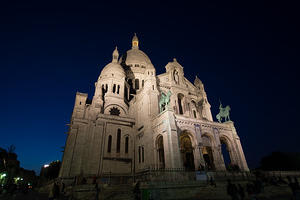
{"x":135,"y":57}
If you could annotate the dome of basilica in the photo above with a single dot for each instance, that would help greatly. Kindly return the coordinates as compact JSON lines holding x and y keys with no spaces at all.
{"x":113,"y":68}
{"x":134,"y":56}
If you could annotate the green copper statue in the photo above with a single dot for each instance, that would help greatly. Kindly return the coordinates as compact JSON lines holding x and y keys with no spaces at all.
{"x":224,"y":113}
{"x":164,"y":101}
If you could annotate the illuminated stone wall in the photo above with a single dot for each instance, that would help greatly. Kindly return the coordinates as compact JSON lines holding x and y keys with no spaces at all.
{"x":118,"y":130}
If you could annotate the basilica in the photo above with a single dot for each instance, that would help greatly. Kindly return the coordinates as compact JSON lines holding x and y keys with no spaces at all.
{"x":137,"y":119}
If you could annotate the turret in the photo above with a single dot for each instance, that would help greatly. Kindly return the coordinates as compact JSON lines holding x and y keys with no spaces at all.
{"x":203,"y":103}
{"x":111,"y":88}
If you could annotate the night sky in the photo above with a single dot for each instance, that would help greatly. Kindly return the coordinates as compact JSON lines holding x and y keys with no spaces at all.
{"x":246,"y":54}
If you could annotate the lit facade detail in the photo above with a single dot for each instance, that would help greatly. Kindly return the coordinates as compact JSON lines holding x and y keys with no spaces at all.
{"x":123,"y":130}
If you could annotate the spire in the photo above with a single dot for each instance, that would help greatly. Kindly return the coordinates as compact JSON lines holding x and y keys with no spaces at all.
{"x":198,"y":83}
{"x":115,"y":55}
{"x":135,"y":42}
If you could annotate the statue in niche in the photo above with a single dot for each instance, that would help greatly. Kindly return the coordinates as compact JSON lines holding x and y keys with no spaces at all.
{"x":164,"y":101}
{"x":176,"y":77}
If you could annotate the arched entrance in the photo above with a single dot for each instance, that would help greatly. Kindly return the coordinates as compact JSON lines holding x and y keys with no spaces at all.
{"x":186,"y":149}
{"x":160,"y":152}
{"x":207,"y":153}
{"x":227,"y":153}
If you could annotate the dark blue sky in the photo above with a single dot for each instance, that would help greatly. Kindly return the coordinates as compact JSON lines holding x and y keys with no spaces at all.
{"x":246,"y":54}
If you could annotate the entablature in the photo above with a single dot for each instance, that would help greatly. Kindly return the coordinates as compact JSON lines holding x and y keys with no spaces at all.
{"x":181,"y":120}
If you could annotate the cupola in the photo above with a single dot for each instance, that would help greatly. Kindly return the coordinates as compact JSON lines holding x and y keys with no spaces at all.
{"x":115,"y":55}
{"x":135,"y":42}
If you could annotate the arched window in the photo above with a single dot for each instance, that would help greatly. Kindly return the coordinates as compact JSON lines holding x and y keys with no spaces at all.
{"x":125,"y":93}
{"x":118,"y":90}
{"x":114,"y":111}
{"x":109,"y":144}
{"x":160,"y":152}
{"x":142,"y":154}
{"x":137,"y":84}
{"x":126,"y":144}
{"x":114,"y":88}
{"x":139,"y":154}
{"x":180,"y":97}
{"x":195,"y":115}
{"x":118,"y":140}
{"x":142,"y":83}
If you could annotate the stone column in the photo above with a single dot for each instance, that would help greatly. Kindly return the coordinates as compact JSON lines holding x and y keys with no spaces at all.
{"x":171,"y":145}
{"x":218,"y":158}
{"x":242,"y":163}
{"x":220,"y":165}
{"x":198,"y":149}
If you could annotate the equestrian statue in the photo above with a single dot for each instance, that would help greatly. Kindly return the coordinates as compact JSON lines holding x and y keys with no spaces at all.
{"x":164,"y":100}
{"x":224,"y":113}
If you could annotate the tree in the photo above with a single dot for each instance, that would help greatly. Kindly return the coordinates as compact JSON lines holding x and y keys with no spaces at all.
{"x":9,"y":162}
{"x":3,"y":159}
{"x":51,"y":171}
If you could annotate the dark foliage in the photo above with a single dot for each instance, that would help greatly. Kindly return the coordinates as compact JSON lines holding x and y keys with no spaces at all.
{"x":52,"y":171}
{"x":9,"y":164}
{"x":281,"y":161}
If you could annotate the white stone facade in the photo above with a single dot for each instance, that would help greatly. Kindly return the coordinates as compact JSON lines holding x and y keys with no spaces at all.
{"x":122,"y":130}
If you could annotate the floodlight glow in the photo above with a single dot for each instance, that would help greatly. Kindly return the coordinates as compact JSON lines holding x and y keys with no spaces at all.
{"x":45,"y":166}
{"x":2,"y":176}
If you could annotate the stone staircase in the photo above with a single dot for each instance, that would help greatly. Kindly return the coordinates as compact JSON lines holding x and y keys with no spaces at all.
{"x":88,"y":192}
{"x":202,"y":191}
{"x":118,"y":192}
{"x":193,"y":190}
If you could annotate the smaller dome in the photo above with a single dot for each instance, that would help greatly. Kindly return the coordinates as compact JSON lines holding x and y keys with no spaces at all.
{"x":113,"y":68}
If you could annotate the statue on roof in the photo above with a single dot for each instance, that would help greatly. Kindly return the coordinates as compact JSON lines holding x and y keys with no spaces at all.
{"x":164,"y":101}
{"x":223,"y":113}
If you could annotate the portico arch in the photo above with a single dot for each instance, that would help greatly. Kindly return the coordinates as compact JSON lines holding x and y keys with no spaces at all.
{"x":160,"y":152}
{"x":207,"y":152}
{"x":227,"y":151}
{"x":186,"y":145}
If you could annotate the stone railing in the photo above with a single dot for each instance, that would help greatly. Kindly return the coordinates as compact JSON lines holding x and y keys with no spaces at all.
{"x":163,"y":175}
{"x":282,"y":173}
{"x":180,"y":174}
